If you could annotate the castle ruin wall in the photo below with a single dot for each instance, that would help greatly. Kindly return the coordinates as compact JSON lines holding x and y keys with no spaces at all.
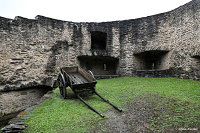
{"x":33,"y":50}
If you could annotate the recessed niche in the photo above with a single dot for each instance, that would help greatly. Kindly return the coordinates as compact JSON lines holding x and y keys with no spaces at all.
{"x":197,"y":57}
{"x":196,"y":61}
{"x":151,"y":60}
{"x":98,"y":40}
{"x":99,"y":65}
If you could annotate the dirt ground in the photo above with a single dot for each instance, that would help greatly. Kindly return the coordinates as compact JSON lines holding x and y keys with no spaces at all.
{"x":134,"y":118}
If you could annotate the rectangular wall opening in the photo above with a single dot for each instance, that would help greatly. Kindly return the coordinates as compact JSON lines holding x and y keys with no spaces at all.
{"x":99,"y":65}
{"x":98,"y":40}
{"x":151,"y":60}
{"x":196,"y":62}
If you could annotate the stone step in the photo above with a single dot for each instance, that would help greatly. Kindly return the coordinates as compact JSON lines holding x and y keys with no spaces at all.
{"x":105,"y":76}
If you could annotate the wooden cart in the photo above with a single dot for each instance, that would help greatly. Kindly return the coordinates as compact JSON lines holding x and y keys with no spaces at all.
{"x":80,"y":82}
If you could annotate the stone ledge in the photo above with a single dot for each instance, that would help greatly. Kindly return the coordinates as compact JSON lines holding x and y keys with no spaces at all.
{"x":105,"y":76}
{"x":152,"y":73}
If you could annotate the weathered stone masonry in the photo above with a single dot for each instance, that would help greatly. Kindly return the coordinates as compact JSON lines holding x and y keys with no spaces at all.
{"x":33,"y":50}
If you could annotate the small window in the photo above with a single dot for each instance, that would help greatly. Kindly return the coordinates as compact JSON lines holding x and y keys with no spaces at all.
{"x":108,"y":66}
{"x":98,"y":40}
{"x":104,"y":67}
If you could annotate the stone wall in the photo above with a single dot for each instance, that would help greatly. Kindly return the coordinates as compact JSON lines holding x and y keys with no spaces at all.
{"x":33,"y":50}
{"x":186,"y":40}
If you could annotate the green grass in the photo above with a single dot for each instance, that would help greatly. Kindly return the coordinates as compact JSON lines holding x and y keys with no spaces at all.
{"x":71,"y":115}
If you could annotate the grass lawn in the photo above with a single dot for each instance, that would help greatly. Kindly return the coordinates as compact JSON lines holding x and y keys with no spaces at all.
{"x":180,"y":108}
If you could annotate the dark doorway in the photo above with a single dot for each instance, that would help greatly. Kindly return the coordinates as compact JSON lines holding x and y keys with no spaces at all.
{"x":98,"y":40}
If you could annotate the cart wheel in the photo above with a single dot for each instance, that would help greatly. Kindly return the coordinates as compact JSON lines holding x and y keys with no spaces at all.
{"x":62,"y":86}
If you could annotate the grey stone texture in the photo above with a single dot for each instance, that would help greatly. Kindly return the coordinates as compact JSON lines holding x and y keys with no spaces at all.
{"x":33,"y":50}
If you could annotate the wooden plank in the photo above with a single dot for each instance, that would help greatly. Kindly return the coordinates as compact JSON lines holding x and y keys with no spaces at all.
{"x":77,"y":78}
{"x":70,"y":69}
{"x":86,"y":75}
